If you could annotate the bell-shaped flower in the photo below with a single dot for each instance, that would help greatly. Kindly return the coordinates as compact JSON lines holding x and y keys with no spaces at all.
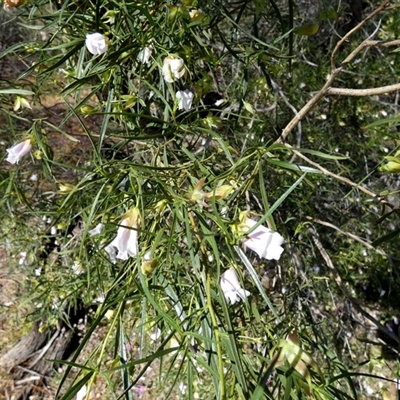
{"x":185,"y":99}
{"x":144,"y":55}
{"x":173,"y":68}
{"x":18,"y":151}
{"x":96,"y":43}
{"x":231,"y":288}
{"x":126,"y":242}
{"x":264,"y":241}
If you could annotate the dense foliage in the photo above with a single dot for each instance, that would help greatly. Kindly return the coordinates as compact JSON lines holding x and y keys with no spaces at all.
{"x":171,"y":127}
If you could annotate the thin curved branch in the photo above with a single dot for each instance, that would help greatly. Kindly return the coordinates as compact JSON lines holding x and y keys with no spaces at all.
{"x":355,"y":29}
{"x":347,"y":181}
{"x":306,"y":109}
{"x":328,"y":90}
{"x":369,"y":43}
{"x":349,"y":234}
{"x":362,"y":92}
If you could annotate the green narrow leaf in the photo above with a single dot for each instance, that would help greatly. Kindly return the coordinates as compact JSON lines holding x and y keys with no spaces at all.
{"x":308,"y":29}
{"x":72,"y":391}
{"x":254,"y":275}
{"x":328,"y":14}
{"x":386,"y":238}
{"x":384,"y":121}
{"x":320,"y":154}
{"x":277,"y":203}
{"x":22,"y":92}
{"x":264,"y":197}
{"x":231,"y":346}
{"x":293,"y":167}
{"x":123,"y":360}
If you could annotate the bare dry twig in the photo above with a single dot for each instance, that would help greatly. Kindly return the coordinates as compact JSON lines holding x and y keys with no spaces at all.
{"x":347,"y":181}
{"x":355,"y":29}
{"x":349,"y":234}
{"x":362,"y":92}
{"x":329,"y":90}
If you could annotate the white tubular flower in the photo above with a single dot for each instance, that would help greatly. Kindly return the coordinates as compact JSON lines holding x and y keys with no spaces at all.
{"x":18,"y":151}
{"x":126,"y":241}
{"x":96,"y":43}
{"x":185,"y":99}
{"x":82,"y":393}
{"x":173,"y":68}
{"x":144,"y":55}
{"x":77,"y":268}
{"x":265,"y":242}
{"x":231,"y":287}
{"x":96,"y":230}
{"x":155,"y":335}
{"x":22,"y":258}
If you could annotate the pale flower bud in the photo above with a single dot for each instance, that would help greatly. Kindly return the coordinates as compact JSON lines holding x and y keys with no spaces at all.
{"x":392,"y":165}
{"x":86,"y":109}
{"x":96,"y":43}
{"x":197,"y":195}
{"x":110,"y":16}
{"x":65,"y":188}
{"x":148,"y":263}
{"x":21,"y":102}
{"x":96,"y":230}
{"x":144,"y":55}
{"x":196,"y":14}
